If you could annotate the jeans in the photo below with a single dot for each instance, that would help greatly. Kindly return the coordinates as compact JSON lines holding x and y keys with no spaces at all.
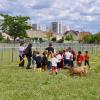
{"x":29,"y":62}
{"x":87,"y":63}
{"x":49,"y":65}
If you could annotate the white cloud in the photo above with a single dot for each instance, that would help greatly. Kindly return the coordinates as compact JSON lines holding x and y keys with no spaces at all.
{"x":43,"y":11}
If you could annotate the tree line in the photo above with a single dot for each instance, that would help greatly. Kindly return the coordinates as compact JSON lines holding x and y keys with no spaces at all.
{"x":93,"y":38}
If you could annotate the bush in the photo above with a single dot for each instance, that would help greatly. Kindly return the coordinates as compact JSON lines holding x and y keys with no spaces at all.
{"x":54,"y":39}
{"x":95,"y":38}
{"x":60,"y":41}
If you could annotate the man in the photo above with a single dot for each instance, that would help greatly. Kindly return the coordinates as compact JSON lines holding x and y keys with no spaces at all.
{"x":50,"y":48}
{"x":28,"y":53}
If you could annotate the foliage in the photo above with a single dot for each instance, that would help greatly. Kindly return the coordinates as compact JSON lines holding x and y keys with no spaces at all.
{"x":69,"y":38}
{"x":15,"y":26}
{"x":54,"y":39}
{"x":1,"y":37}
{"x":40,"y":40}
{"x":95,"y":38}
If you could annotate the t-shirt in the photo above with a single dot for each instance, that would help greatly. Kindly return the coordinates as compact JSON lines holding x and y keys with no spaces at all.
{"x":80,"y":58}
{"x":21,"y":50}
{"x":86,"y":57}
{"x":68,"y":55}
{"x":50,"y":49}
{"x":59,"y":57}
{"x":54,"y":61}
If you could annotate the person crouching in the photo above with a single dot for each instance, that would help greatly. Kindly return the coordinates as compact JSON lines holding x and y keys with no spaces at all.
{"x":54,"y":62}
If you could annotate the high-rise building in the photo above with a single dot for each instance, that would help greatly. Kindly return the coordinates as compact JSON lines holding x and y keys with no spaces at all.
{"x":35,"y":27}
{"x":56,"y":27}
{"x":38,"y":27}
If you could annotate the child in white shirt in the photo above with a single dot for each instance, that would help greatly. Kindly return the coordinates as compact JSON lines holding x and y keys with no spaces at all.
{"x":54,"y":62}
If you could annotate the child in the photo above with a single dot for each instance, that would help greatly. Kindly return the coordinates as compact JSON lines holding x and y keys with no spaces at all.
{"x":54,"y":62}
{"x":86,"y":59}
{"x":68,"y":55}
{"x":79,"y":58}
{"x":38,"y":61}
{"x":59,"y":57}
{"x":44,"y":61}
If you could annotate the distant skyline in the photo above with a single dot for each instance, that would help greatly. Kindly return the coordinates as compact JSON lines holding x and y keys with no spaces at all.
{"x":81,"y":15}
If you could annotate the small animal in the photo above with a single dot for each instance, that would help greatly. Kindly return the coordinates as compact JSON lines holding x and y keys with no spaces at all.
{"x":81,"y":71}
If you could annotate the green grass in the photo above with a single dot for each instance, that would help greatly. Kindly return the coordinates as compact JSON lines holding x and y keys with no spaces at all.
{"x":21,"y":84}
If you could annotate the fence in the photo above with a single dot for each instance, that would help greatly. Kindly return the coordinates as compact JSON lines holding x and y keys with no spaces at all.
{"x":9,"y":55}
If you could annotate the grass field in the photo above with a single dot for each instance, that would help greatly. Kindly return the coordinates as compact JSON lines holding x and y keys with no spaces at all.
{"x":21,"y":84}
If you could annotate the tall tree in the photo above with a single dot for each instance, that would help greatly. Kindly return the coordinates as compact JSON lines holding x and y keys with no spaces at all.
{"x":15,"y":26}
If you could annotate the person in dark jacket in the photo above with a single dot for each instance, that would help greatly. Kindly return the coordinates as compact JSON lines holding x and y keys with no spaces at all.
{"x":28,"y":53}
{"x":38,"y":59}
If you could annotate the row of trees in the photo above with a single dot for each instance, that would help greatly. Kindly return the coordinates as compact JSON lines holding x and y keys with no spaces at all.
{"x":93,"y":38}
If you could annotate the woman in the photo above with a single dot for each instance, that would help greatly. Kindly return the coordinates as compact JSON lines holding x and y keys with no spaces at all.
{"x":21,"y":55}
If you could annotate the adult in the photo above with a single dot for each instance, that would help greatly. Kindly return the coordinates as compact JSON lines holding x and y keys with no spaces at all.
{"x":21,"y":54}
{"x":28,"y":53}
{"x":50,"y":48}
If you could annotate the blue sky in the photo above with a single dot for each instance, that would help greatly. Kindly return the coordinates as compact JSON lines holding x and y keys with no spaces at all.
{"x":77,"y":14}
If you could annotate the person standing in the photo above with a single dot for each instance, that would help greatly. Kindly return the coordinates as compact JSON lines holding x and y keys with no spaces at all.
{"x":28,"y":53}
{"x":50,"y":48}
{"x":79,"y":58}
{"x":38,"y":59}
{"x":67,"y":57}
{"x":21,"y":55}
{"x":86,"y":59}
{"x":54,"y":62}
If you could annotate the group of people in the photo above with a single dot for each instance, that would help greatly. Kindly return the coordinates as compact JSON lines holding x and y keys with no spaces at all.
{"x":50,"y":59}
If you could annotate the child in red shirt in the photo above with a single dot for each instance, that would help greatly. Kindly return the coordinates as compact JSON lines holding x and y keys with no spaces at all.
{"x":86,"y":59}
{"x":79,"y":58}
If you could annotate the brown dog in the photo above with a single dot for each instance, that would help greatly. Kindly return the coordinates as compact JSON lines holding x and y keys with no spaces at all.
{"x":81,"y":71}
